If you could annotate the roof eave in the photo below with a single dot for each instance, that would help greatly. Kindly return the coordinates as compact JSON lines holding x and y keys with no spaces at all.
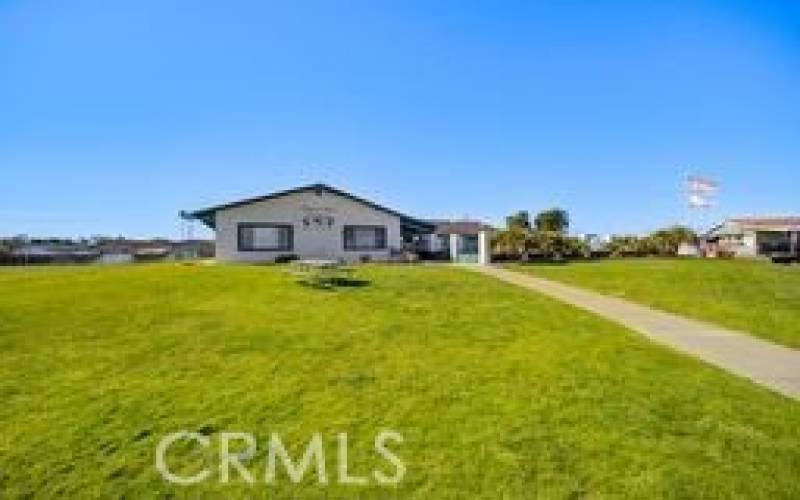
{"x":206,"y":217}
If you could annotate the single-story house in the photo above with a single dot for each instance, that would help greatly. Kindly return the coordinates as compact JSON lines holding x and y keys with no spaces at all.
{"x":753,"y":237}
{"x":318,"y":221}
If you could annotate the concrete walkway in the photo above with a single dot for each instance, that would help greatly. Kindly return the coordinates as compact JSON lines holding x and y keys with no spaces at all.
{"x":768,"y":364}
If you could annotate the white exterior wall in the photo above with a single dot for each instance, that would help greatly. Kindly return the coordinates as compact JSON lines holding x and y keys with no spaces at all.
{"x":734,"y":238}
{"x":313,"y":242}
{"x":748,"y":247}
{"x":484,"y":248}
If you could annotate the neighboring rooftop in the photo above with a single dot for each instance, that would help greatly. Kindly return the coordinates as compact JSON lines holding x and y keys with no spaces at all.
{"x":756,"y":223}
{"x":781,"y":223}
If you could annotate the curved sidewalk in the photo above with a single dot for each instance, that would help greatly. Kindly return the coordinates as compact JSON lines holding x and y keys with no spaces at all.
{"x":768,"y":364}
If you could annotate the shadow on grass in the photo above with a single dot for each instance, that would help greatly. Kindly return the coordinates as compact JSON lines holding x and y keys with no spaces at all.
{"x":333,"y":283}
{"x":542,"y":262}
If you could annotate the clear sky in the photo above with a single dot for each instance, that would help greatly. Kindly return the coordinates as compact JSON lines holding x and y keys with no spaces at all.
{"x":115,"y":115}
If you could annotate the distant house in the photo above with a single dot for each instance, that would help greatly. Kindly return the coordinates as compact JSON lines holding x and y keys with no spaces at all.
{"x":753,"y":237}
{"x":119,"y":250}
{"x":598,"y":245}
{"x":115,"y":258}
{"x":42,"y":252}
{"x":193,"y":249}
{"x":22,"y":250}
{"x":322,"y":222}
{"x":148,"y":254}
{"x":123,"y":250}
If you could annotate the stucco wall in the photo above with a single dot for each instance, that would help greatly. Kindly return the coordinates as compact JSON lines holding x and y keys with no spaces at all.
{"x":748,"y":246}
{"x":309,"y":242}
{"x":734,"y":238}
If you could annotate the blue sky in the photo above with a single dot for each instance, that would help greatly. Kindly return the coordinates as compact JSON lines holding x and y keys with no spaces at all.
{"x":116,"y":115}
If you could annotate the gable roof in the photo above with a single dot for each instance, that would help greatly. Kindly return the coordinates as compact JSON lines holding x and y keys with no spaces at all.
{"x":206,"y":215}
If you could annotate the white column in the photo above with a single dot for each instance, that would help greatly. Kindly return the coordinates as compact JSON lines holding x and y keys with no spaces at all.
{"x":484,"y":248}
{"x":454,"y":247}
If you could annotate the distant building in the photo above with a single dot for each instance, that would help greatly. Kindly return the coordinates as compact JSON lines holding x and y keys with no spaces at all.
{"x":686,"y":249}
{"x":598,"y":245}
{"x":23,"y":250}
{"x":753,"y":237}
{"x":51,"y":250}
{"x":115,"y":258}
{"x":145,"y":254}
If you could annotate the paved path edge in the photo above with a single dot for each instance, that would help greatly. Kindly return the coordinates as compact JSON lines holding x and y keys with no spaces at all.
{"x":770,"y":365}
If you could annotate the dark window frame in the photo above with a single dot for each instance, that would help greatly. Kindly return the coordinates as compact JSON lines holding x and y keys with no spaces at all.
{"x":255,"y":225}
{"x":361,"y":248}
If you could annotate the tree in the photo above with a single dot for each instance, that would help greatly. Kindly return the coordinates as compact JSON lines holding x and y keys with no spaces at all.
{"x":549,"y":239}
{"x":553,"y":244}
{"x":627,"y":245}
{"x":661,"y":242}
{"x":576,"y":247}
{"x":555,"y":219}
{"x":510,"y":241}
{"x":520,"y":220}
{"x":666,"y":241}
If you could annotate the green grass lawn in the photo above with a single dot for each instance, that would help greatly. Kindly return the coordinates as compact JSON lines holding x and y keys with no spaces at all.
{"x":757,"y":297}
{"x":498,"y":392}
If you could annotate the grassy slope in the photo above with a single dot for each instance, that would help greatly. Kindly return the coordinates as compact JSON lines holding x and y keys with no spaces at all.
{"x":498,"y":392}
{"x":757,"y":297}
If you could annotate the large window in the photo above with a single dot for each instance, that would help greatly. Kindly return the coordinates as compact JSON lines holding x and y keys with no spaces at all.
{"x":265,"y":237}
{"x":364,"y":237}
